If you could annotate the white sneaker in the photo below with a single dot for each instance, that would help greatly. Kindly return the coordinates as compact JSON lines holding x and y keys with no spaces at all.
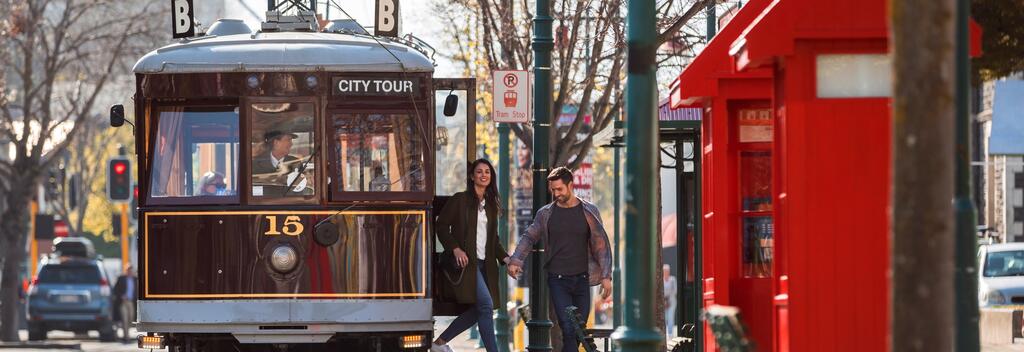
{"x":440,"y":348}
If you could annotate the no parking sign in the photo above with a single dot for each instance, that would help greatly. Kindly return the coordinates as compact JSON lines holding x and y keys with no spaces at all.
{"x":511,"y":96}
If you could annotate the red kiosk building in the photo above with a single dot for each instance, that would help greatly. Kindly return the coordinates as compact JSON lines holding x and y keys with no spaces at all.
{"x":796,"y":166}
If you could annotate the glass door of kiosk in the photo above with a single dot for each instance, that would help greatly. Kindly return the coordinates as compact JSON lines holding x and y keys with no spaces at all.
{"x":454,"y":148}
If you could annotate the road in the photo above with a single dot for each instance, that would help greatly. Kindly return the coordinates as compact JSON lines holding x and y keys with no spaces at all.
{"x":67,"y":341}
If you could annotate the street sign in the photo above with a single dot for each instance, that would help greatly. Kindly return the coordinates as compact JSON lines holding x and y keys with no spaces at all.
{"x":183,"y":19}
{"x":60,"y":228}
{"x":511,"y":96}
{"x":386,"y":23}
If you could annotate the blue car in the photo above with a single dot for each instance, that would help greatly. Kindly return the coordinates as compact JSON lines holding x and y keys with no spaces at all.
{"x":70,"y":294}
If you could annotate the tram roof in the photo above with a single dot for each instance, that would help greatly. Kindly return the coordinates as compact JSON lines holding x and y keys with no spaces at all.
{"x":284,"y":52}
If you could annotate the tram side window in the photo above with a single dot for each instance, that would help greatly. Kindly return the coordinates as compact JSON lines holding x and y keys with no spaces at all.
{"x":378,"y":153}
{"x":283,"y":150}
{"x":195,"y":155}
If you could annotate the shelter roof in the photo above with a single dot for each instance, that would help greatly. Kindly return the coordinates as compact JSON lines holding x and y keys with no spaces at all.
{"x":700,"y":78}
{"x":784,"y":22}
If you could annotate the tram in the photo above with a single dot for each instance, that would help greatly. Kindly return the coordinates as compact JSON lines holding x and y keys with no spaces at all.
{"x":287,"y":180}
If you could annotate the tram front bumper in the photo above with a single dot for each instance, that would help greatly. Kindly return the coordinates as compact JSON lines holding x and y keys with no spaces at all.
{"x":285,"y":321}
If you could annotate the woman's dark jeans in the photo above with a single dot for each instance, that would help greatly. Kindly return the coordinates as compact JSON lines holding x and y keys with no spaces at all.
{"x":481,"y":314}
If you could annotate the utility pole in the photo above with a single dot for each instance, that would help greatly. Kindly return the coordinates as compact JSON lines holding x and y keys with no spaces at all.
{"x":501,"y":325}
{"x":639,"y":332}
{"x":539,"y":324}
{"x":966,"y":280}
{"x":923,"y":235}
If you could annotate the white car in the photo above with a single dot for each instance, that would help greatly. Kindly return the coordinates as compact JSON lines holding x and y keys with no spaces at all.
{"x":1002,"y":274}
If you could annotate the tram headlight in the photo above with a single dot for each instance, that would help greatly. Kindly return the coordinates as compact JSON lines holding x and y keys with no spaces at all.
{"x":253,"y":81}
{"x":311,"y":81}
{"x":284,"y":259}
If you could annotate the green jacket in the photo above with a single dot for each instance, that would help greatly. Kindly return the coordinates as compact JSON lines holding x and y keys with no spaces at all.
{"x":456,"y":228}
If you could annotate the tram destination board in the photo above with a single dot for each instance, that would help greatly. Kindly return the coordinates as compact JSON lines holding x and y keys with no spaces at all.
{"x":364,"y":86}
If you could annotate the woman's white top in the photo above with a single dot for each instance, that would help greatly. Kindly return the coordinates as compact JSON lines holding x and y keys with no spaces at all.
{"x":481,"y":231}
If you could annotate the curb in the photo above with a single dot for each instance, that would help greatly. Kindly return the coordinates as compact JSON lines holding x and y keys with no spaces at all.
{"x":41,"y":345}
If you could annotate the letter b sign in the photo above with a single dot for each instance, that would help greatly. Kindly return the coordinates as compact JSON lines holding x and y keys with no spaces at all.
{"x":182,"y":18}
{"x":387,"y":18}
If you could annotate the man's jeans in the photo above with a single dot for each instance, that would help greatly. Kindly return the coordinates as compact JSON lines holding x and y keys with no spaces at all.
{"x":568,"y":291}
{"x":482,"y":314}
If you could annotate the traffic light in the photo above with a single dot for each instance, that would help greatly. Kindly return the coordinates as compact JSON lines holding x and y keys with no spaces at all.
{"x":74,"y":183}
{"x":119,"y":180}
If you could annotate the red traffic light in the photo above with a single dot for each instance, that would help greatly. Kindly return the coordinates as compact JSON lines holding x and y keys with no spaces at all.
{"x":120,"y":168}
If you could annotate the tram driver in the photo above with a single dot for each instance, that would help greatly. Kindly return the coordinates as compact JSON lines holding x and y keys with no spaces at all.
{"x":276,"y":165}
{"x":276,"y":156}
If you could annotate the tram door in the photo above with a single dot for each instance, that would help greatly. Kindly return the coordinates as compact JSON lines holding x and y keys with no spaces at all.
{"x":454,"y":147}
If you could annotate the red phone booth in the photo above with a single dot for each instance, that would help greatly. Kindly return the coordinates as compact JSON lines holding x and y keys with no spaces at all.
{"x":796,"y":168}
{"x":737,"y":137}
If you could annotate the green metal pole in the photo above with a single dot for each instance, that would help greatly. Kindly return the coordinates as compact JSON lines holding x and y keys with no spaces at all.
{"x":682,"y":240}
{"x":539,"y":325}
{"x":639,"y":332}
{"x":501,"y":324}
{"x":966,"y":281}
{"x":698,"y":244}
{"x":712,"y":21}
{"x":616,"y":264}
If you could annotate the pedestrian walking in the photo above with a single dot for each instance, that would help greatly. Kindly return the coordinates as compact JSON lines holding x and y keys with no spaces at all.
{"x":577,"y":253}
{"x":124,"y":297}
{"x":467,"y":226}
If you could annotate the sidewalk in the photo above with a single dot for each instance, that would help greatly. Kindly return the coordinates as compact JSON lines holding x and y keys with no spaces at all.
{"x":459,"y":343}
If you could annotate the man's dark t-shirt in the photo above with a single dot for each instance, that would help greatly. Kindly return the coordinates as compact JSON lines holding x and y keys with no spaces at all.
{"x":567,"y":234}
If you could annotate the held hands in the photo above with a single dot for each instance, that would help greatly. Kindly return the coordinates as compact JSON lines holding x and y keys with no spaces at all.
{"x":514,"y":270}
{"x":460,"y":257}
{"x":606,"y":288}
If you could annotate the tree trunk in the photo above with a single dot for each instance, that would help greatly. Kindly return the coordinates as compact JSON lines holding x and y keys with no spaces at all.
{"x":922,"y":211}
{"x":14,"y":228}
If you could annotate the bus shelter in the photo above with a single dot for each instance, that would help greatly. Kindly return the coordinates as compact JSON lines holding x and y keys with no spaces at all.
{"x":796,"y":165}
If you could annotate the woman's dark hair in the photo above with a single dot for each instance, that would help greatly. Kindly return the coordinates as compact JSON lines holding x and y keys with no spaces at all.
{"x":491,"y":191}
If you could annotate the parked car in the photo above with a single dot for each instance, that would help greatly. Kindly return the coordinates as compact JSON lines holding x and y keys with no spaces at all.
{"x":71,"y":294}
{"x":1002,"y":274}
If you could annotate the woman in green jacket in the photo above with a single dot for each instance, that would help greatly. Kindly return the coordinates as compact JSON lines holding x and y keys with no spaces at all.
{"x":467,"y":226}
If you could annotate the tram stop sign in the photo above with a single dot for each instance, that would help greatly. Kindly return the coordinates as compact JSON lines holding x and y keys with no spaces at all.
{"x":511,"y":96}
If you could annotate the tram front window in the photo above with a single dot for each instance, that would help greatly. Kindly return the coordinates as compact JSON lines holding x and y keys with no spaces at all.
{"x":195,"y":155}
{"x":283,"y":150}
{"x":378,"y":153}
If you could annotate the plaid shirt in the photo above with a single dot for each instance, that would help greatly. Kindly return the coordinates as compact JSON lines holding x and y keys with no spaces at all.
{"x":600,"y":259}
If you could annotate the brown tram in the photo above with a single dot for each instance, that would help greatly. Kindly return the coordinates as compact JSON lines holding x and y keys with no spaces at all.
{"x":287,"y":182}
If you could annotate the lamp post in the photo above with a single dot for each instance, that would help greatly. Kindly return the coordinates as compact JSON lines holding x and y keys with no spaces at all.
{"x":615,"y":145}
{"x":966,"y":281}
{"x":501,"y":324}
{"x":639,"y":332}
{"x":539,"y":324}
